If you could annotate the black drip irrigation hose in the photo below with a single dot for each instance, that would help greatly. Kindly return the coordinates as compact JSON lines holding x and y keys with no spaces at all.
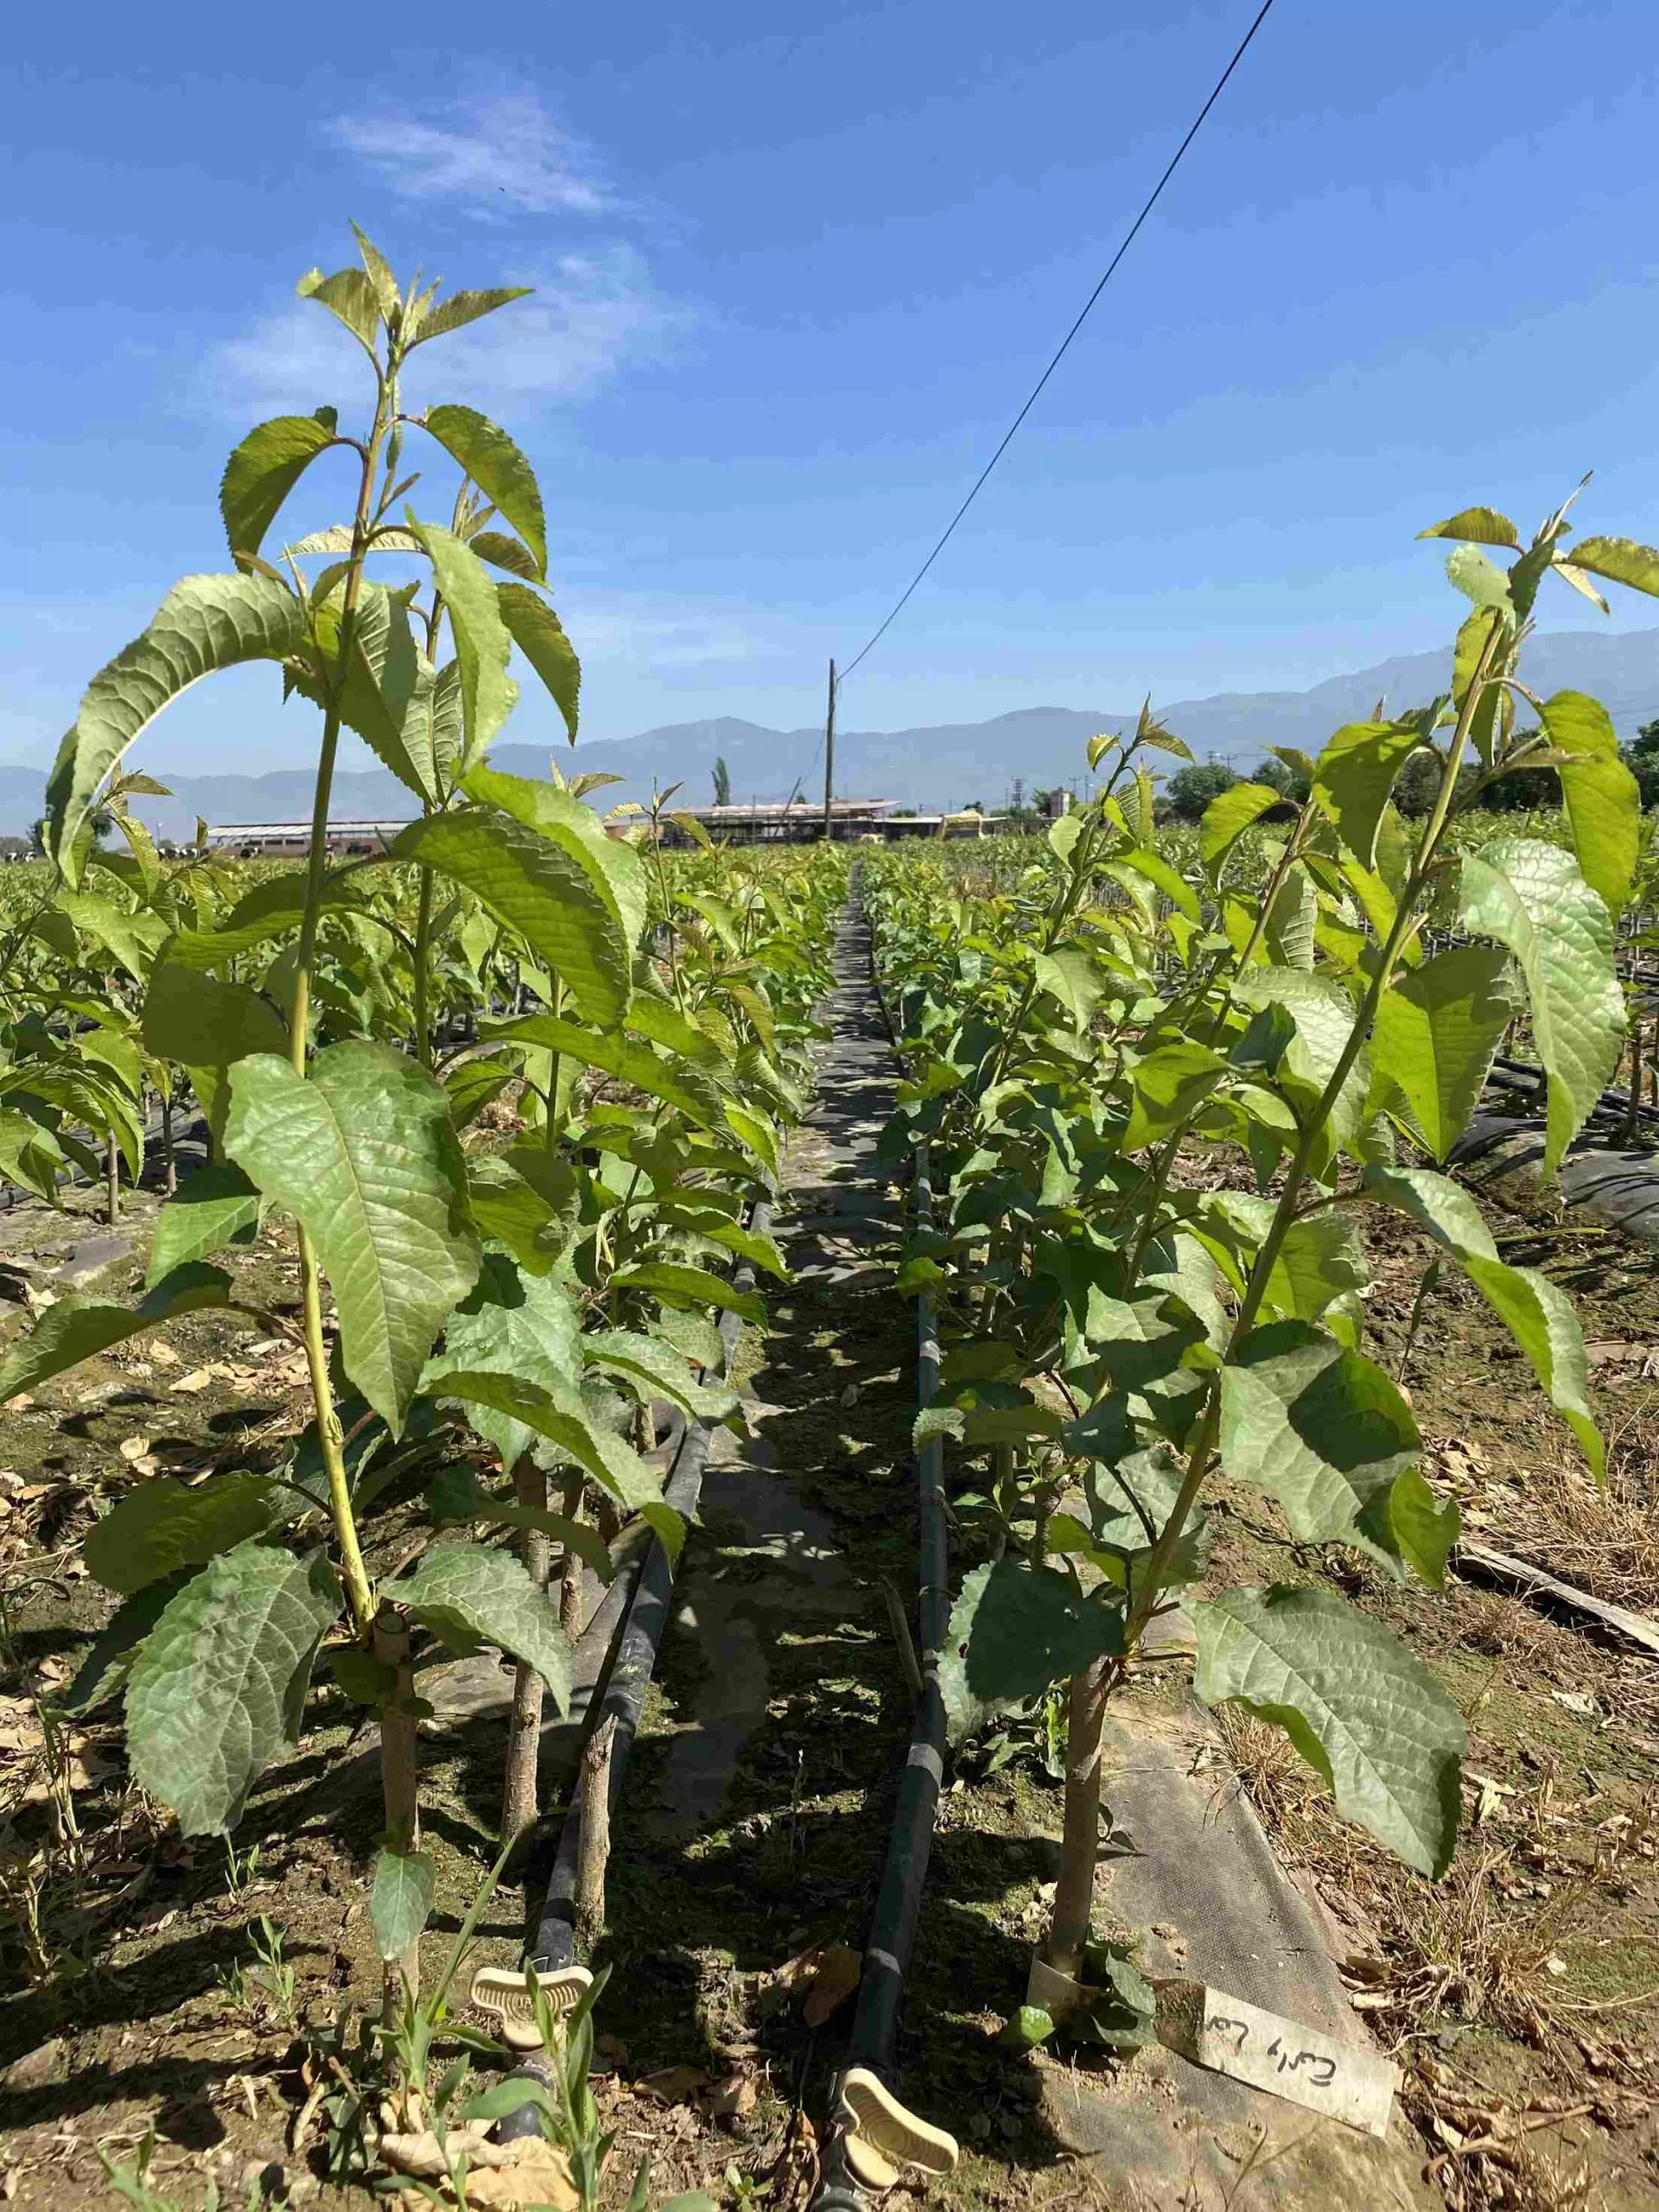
{"x":892,"y":1938}
{"x":635,"y":1609}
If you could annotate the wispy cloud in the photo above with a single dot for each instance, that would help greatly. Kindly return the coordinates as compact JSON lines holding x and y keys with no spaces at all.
{"x":589,"y":316}
{"x":504,"y":152}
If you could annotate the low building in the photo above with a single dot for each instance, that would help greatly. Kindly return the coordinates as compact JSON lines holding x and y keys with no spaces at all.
{"x":292,"y":841}
{"x":800,"y":822}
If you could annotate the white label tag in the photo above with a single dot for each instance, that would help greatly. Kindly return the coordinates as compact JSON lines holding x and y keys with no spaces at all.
{"x":1291,"y":2061}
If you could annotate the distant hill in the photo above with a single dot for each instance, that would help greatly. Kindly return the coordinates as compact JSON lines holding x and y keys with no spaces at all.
{"x":946,"y":765}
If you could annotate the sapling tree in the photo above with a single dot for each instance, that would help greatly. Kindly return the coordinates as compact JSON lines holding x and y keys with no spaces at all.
{"x":470,"y":1319}
{"x":1124,"y":1328}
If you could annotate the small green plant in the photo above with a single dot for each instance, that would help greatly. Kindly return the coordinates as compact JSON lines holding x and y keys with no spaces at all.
{"x":271,"y":1982}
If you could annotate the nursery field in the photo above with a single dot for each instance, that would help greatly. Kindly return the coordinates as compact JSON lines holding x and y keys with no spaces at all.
{"x":746,"y":1529}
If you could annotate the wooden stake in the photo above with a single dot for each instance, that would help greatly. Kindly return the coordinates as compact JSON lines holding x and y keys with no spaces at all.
{"x":595,"y":1851}
{"x":830,"y":752}
{"x":399,"y":1782}
{"x":520,"y":1796}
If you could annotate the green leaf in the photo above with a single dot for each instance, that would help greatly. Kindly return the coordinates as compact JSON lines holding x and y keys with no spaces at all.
{"x":114,"y":1653}
{"x":482,"y":644}
{"x":363,"y":1153}
{"x":651,"y":1361}
{"x":523,"y":1216}
{"x":216,"y":1689}
{"x":1016,"y":1630}
{"x":658,"y":1074}
{"x":379,"y":271}
{"x":1437,"y":1029}
{"x":468,"y":1595}
{"x":489,"y":456}
{"x":1538,"y":1315}
{"x":349,"y":295}
{"x":77,"y":1328}
{"x":1531,"y":897}
{"x":503,"y":552}
{"x":680,"y":1285}
{"x":539,"y":635}
{"x":510,"y":1325}
{"x":1621,"y":561}
{"x":1169,"y":1085}
{"x":385,"y":690}
{"x":562,"y":1417}
{"x":205,"y":623}
{"x":1320,"y":1428}
{"x":1071,"y":976}
{"x":457,"y":1495}
{"x":263,"y":471}
{"x":1362,"y":1712}
{"x":1355,"y":775}
{"x":462,"y":308}
{"x":1476,"y":526}
{"x":1321,"y":1259}
{"x":1602,"y":801}
{"x":540,"y":889}
{"x":268,"y":910}
{"x":163,"y":1525}
{"x":1025,"y":2029}
{"x":1478,"y":579}
{"x":1226,"y":818}
{"x":1158,"y":871}
{"x":198,"y":1020}
{"x":1303,"y":1060}
{"x":474,"y":1084}
{"x":365,"y":1679}
{"x":1424,"y":1530}
{"x":400,"y":1902}
{"x":562,"y":819}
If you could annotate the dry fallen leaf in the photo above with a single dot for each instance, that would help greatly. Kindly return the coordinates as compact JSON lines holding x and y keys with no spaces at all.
{"x":197,"y":1379}
{"x":20,"y":1404}
{"x":839,"y":1968}
{"x":133,"y":1447}
{"x":539,"y":2174}
{"x":674,"y":2085}
{"x":733,"y":2100}
{"x":163,"y":1354}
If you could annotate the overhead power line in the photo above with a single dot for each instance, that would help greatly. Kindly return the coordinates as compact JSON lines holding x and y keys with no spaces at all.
{"x":1036,"y":392}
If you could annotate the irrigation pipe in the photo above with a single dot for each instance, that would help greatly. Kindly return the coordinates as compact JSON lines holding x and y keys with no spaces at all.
{"x":618,"y":1698}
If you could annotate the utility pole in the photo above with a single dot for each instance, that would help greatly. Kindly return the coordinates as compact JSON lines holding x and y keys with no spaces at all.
{"x":829,"y":752}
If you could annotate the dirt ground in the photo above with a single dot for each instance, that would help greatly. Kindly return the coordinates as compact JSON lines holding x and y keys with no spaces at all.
{"x":1520,"y":1996}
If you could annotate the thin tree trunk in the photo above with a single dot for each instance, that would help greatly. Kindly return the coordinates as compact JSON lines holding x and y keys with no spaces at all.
{"x":520,"y":1797}
{"x":112,"y":1181}
{"x":1633,"y":1118}
{"x":166,"y":1147}
{"x":1074,"y":1893}
{"x":571,"y":1583}
{"x":399,"y":1782}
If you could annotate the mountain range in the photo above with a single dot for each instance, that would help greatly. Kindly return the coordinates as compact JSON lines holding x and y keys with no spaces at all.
{"x":951,"y":764}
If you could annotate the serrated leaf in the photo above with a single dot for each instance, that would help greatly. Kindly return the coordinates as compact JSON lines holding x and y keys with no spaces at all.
{"x":1226,"y":818}
{"x":1071,"y":976}
{"x":1538,"y":1315}
{"x":524,"y":1216}
{"x":539,"y":635}
{"x":349,"y":295}
{"x":216,"y":1688}
{"x":384,"y":690}
{"x":511,"y":1325}
{"x":263,"y":471}
{"x":400,"y":1901}
{"x":1532,"y":897}
{"x":1478,"y":526}
{"x":559,"y":816}
{"x":542,"y":890}
{"x":503,"y":552}
{"x":457,"y":1495}
{"x":76,"y":1328}
{"x":205,"y":623}
{"x":1602,"y":801}
{"x":1354,"y":776}
{"x":104,"y":1672}
{"x":483,"y":644}
{"x":675,"y":1284}
{"x":1015,"y":1630}
{"x":1321,"y":1019}
{"x":1621,"y":561}
{"x":658,"y":1074}
{"x":363,"y":1153}
{"x":163,"y":1525}
{"x":650,"y":1360}
{"x":1362,"y":1712}
{"x":1480,"y":579}
{"x":462,"y":308}
{"x":1167,"y":1089}
{"x":566,"y":1420}
{"x":1319,"y":1427}
{"x":1437,"y":1029}
{"x":266,"y":912}
{"x":489,"y":456}
{"x":468,"y":1595}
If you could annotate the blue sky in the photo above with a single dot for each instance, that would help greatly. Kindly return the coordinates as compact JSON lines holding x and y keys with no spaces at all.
{"x":791,"y":285}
